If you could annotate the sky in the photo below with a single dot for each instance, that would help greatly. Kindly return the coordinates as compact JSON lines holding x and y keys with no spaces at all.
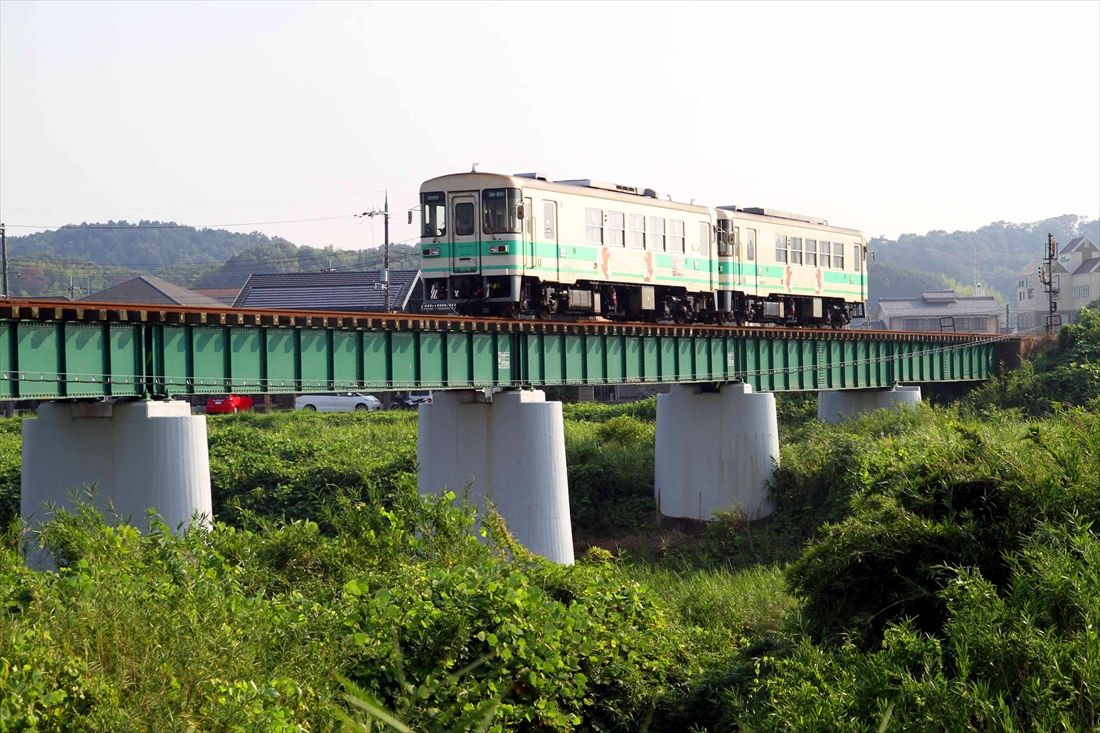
{"x":887,"y":117}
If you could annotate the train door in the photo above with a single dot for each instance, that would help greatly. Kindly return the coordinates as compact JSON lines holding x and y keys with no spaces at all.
{"x":465,"y":233}
{"x":750,"y":271}
{"x":530,"y":253}
{"x":550,"y":235}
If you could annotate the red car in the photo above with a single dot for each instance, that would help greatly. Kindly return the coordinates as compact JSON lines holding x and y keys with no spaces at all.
{"x":228,"y":404}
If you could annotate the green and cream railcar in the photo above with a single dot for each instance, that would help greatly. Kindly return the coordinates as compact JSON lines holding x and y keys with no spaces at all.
{"x":502,"y":244}
{"x":776,"y":267}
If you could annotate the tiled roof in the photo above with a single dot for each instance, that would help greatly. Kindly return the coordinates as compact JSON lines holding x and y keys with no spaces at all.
{"x":336,"y":291}
{"x":971,"y":305}
{"x":1088,"y":266}
{"x":223,"y":295}
{"x":150,"y":290}
{"x":1077,"y":243}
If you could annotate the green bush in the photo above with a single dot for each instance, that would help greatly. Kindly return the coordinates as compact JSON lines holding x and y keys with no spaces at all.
{"x":957,"y":494}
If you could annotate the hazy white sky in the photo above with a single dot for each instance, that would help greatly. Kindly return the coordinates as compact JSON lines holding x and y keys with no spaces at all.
{"x":888,"y":117}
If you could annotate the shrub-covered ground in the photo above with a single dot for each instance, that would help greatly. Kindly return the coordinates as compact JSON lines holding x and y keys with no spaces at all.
{"x":930,"y":569}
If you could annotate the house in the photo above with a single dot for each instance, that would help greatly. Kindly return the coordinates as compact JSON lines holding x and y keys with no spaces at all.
{"x":150,"y":290}
{"x":331,"y":291}
{"x":1076,"y":275}
{"x":940,"y":310}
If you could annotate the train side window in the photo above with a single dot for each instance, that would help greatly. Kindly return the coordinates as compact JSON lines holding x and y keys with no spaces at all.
{"x":464,"y":219}
{"x":433,"y":208}
{"x":780,"y":247}
{"x":703,"y":243}
{"x":655,"y":237}
{"x":838,"y":255}
{"x":750,"y":244}
{"x":676,"y":237}
{"x":796,"y":250}
{"x":635,"y":238}
{"x":723,"y":238}
{"x":826,"y":257}
{"x":856,"y":262}
{"x":594,"y":226}
{"x":811,"y":252}
{"x":616,"y":229}
{"x":550,"y":221}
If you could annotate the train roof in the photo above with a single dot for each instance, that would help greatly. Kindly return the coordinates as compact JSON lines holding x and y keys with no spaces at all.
{"x":586,"y":186}
{"x":757,"y":213}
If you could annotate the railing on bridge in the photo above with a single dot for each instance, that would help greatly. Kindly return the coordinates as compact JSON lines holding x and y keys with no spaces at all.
{"x":57,"y":350}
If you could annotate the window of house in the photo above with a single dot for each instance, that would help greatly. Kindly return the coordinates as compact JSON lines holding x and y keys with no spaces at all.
{"x":635,"y":238}
{"x":750,"y":244}
{"x":811,"y":252}
{"x":615,"y":234}
{"x":780,"y":247}
{"x":656,"y":238}
{"x":593,"y":226}
{"x":796,"y":250}
{"x":676,"y":236}
{"x":838,"y":255}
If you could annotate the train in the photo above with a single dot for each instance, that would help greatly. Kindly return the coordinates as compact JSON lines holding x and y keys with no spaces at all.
{"x":524,"y":246}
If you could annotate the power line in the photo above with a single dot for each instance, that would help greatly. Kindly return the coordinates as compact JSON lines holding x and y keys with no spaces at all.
{"x":190,"y":206}
{"x":175,"y":226}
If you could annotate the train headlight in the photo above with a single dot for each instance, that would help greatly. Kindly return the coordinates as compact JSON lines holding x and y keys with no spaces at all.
{"x":499,"y":249}
{"x":431,"y":251}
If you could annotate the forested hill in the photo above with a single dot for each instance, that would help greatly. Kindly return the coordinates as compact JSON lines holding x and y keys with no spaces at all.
{"x":943,"y":258}
{"x":91,"y":257}
{"x":95,"y":256}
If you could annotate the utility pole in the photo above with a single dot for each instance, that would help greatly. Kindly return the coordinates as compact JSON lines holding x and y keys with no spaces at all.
{"x":385,"y":214}
{"x":385,"y":252}
{"x":1050,"y":283}
{"x":4,"y":256}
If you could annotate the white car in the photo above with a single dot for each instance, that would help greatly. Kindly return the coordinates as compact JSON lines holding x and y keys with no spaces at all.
{"x":337,"y":402}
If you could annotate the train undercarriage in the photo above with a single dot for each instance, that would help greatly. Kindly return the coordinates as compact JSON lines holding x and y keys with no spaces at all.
{"x":512,"y":296}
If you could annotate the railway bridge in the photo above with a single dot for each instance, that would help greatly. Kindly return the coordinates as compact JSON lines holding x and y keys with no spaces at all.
{"x":108,"y":375}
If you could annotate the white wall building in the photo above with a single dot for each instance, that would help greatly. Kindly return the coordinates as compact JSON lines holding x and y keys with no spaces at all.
{"x":1076,"y":274}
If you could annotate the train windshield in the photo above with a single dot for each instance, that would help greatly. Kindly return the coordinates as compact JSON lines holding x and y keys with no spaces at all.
{"x":433,"y":213}
{"x":501,"y":205}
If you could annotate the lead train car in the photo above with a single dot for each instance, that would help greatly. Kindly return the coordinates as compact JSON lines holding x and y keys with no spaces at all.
{"x":511,"y":245}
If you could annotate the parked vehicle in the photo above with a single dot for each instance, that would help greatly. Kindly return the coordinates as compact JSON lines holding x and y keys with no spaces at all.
{"x":228,"y":404}
{"x":414,"y":399}
{"x":337,"y":402}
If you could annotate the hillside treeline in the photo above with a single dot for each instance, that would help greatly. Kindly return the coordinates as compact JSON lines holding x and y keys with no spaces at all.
{"x":81,"y":259}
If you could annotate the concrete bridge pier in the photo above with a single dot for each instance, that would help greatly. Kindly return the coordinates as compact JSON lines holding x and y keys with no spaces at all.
{"x":716,"y":450}
{"x":835,"y":407}
{"x":139,"y":455}
{"x":509,"y":448}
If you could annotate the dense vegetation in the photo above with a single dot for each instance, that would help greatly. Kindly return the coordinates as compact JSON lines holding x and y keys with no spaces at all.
{"x":929,"y":569}
{"x":92,"y":257}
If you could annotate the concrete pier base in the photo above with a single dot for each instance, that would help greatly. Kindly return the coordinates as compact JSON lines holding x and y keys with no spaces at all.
{"x":139,"y":455}
{"x":715,"y":451}
{"x":834,"y":407}
{"x":510,"y":450}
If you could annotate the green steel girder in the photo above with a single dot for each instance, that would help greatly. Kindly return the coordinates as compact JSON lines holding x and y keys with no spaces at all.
{"x":130,"y":356}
